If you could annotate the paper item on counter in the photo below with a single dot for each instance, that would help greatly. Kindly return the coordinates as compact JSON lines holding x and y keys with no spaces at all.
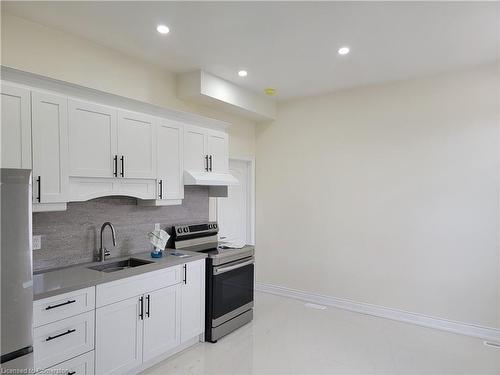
{"x":231,"y":242}
{"x":180,"y":255}
{"x":158,"y":239}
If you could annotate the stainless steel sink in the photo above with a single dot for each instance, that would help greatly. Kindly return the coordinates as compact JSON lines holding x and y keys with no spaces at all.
{"x":120,"y":265}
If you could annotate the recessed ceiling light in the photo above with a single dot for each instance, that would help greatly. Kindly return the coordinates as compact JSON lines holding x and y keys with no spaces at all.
{"x":343,"y":50}
{"x":242,"y":73}
{"x":162,"y":29}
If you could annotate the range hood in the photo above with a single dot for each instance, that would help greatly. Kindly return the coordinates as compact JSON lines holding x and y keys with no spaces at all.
{"x":217,"y":182}
{"x":209,"y":179}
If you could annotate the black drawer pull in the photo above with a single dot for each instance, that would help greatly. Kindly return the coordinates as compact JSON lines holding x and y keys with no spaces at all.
{"x":115,"y":160}
{"x":61,"y":334}
{"x":60,"y":304}
{"x":72,"y":373}
{"x":39,"y":197}
{"x":141,"y":314}
{"x":122,"y":159}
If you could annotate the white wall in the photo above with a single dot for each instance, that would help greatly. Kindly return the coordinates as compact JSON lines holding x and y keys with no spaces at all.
{"x":35,"y":48}
{"x":388,"y":195}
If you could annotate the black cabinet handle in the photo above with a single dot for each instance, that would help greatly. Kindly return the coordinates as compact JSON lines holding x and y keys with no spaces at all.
{"x":206,"y":163}
{"x":161,"y":189}
{"x":115,"y":159}
{"x":39,"y":197}
{"x":185,"y":274}
{"x":60,"y":304}
{"x":141,"y":314}
{"x":61,"y":334}
{"x":122,"y":159}
{"x":147,"y":311}
{"x":210,"y":163}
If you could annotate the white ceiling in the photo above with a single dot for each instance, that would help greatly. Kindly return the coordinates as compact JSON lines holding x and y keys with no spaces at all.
{"x":291,"y":46}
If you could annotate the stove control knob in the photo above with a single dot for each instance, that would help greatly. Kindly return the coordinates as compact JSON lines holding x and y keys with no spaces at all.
{"x":179,"y":230}
{"x":185,"y":230}
{"x":215,"y":226}
{"x":210,"y":226}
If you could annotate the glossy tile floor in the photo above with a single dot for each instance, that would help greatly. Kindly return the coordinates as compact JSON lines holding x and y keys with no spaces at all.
{"x":288,"y":338}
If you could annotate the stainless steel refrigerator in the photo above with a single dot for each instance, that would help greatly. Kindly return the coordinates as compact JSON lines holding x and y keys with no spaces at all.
{"x":16,"y":269}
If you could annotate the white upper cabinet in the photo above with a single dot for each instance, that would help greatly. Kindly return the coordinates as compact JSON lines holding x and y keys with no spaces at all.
{"x":218,"y":152}
{"x":105,"y":142}
{"x":205,"y":150}
{"x":136,"y":145}
{"x":170,"y":138}
{"x":50,"y":147}
{"x":92,"y":140}
{"x":80,"y":150}
{"x":15,"y":127}
{"x":195,"y":157}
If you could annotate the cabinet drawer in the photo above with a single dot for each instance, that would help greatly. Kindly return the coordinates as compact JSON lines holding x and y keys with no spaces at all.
{"x":81,"y":365}
{"x":63,"y":306}
{"x":122,"y":289}
{"x":56,"y":342}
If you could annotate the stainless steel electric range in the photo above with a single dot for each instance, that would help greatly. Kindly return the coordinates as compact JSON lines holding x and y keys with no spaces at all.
{"x":229,"y":278}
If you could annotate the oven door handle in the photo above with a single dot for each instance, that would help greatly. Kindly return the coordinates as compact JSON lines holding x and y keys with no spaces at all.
{"x":219,"y":270}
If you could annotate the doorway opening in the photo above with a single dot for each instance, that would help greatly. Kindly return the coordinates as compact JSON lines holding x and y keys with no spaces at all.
{"x":236,"y":213}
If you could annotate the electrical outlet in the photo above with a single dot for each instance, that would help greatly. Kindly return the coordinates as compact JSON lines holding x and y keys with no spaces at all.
{"x":37,"y":242}
{"x":157,"y":226}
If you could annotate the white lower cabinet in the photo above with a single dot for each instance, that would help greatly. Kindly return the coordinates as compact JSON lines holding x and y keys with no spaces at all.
{"x":118,"y":337}
{"x":81,"y":365}
{"x":161,"y":321}
{"x":135,"y":331}
{"x":133,"y":322}
{"x":193,"y":300}
{"x":66,"y":338}
{"x":61,"y":306}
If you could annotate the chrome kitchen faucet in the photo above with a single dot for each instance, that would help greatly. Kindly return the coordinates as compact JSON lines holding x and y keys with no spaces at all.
{"x":103,"y":252}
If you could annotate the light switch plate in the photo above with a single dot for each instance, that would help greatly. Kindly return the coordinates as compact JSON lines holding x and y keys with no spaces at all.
{"x":157,"y":226}
{"x":37,"y":242}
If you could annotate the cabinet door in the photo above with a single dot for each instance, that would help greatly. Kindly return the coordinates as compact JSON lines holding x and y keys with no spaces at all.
{"x":16,"y":127}
{"x":195,"y":149}
{"x":136,"y":145}
{"x":92,"y":139}
{"x":118,"y":346}
{"x":161,"y":321}
{"x":193,"y":300}
{"x":170,"y":161}
{"x":50,"y":147}
{"x":218,"y":149}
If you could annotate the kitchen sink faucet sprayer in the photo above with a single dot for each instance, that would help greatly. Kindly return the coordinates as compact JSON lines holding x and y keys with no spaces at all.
{"x":103,"y":252}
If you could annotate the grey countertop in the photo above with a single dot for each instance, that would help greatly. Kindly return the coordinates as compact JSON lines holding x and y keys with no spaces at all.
{"x":63,"y":280}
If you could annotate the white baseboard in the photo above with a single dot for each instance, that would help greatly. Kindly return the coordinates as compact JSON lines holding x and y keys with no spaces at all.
{"x":485,"y":333}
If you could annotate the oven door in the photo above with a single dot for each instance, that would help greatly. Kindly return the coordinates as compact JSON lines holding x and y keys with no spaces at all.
{"x":232,"y":290}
